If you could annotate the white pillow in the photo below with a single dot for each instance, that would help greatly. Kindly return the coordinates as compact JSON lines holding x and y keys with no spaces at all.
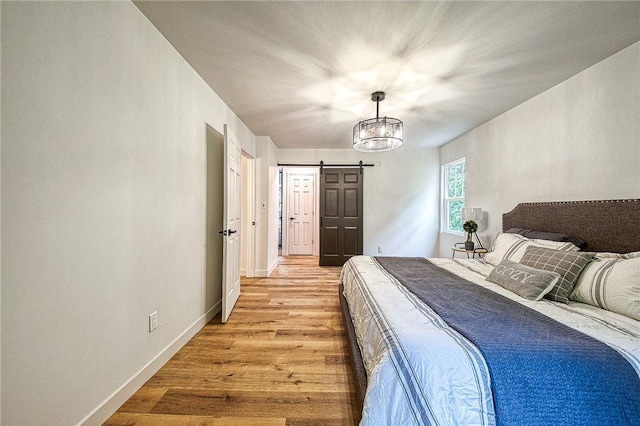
{"x":605,"y":255}
{"x":512,"y":247}
{"x":611,"y":282}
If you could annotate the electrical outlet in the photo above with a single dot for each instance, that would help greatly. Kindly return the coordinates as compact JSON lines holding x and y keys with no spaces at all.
{"x":379,"y":249}
{"x":153,"y":321}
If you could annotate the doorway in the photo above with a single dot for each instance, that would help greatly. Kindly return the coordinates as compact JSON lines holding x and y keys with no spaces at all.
{"x":214,"y":220}
{"x":215,"y":227}
{"x":299,"y":221}
{"x":248,"y":214}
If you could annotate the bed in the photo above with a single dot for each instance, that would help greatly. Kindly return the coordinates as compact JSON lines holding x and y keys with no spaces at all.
{"x":456,"y":342}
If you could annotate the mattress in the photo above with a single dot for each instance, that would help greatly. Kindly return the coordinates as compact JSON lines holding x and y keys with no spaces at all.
{"x":446,"y":379}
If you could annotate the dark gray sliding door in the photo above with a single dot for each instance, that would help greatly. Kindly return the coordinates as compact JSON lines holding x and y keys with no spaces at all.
{"x":340,"y":215}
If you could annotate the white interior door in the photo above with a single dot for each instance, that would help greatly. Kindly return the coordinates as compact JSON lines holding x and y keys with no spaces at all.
{"x":232,"y":220}
{"x":300,"y":217}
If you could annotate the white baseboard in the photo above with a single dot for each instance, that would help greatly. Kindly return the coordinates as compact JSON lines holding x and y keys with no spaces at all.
{"x":272,"y":267}
{"x":109,"y":406}
{"x":263,"y":273}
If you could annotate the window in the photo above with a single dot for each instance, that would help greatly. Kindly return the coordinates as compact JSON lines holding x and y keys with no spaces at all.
{"x":453,"y":190}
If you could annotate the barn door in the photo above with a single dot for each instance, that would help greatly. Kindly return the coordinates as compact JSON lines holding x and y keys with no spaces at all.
{"x":340,"y":215}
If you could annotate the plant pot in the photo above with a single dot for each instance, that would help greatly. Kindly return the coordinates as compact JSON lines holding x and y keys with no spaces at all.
{"x":469,"y":245}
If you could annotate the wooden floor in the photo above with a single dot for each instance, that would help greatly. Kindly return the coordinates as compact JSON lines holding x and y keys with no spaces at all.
{"x":281,"y":359}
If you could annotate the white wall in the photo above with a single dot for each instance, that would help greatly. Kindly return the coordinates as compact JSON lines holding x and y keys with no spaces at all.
{"x":246,"y":217}
{"x":579,"y":140}
{"x":103,"y":212}
{"x":266,"y":206}
{"x":400,"y":196}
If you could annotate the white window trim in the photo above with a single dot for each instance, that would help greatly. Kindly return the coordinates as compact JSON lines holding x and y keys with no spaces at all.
{"x":444,"y":226}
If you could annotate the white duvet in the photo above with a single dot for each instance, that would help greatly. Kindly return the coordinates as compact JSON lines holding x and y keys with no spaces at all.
{"x":419,"y":370}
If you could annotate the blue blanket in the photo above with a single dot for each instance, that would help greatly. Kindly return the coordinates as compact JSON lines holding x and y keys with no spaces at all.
{"x":542,"y":372}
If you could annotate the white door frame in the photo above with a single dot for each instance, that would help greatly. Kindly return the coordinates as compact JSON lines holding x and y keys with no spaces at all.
{"x":248,"y":254}
{"x":286,"y":171}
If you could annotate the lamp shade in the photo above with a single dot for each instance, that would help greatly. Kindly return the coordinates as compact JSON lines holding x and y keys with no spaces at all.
{"x":472,"y":213}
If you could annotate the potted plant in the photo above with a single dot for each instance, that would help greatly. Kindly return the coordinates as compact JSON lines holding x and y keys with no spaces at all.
{"x":470,"y":227}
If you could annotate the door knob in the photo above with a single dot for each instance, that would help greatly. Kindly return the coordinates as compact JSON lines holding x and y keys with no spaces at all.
{"x":232,"y":232}
{"x":292,"y":218}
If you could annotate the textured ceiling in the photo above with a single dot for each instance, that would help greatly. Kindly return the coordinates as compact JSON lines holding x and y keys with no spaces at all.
{"x":303,"y":72}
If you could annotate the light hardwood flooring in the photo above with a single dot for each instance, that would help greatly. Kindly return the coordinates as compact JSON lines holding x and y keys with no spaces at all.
{"x":281,"y":359}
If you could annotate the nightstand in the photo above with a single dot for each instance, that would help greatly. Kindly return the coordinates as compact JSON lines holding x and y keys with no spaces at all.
{"x":471,"y":254}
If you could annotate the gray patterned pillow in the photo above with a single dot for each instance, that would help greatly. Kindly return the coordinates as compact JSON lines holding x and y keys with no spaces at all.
{"x":523,"y":280}
{"x":568,"y":264}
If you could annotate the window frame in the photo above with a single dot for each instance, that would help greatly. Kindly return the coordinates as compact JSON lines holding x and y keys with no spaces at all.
{"x":447,"y":199}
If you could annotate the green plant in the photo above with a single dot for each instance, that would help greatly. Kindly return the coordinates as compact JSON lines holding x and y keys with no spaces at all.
{"x":470,"y":227}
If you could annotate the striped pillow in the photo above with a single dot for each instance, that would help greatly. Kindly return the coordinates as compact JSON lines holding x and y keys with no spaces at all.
{"x":566,"y":263}
{"x":513,"y":246}
{"x":611,"y":282}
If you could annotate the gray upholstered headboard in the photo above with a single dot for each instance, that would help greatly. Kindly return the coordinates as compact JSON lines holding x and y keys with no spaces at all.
{"x":606,"y":225}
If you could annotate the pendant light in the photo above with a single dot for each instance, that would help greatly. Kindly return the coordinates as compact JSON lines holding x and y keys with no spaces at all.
{"x":377,"y":134}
